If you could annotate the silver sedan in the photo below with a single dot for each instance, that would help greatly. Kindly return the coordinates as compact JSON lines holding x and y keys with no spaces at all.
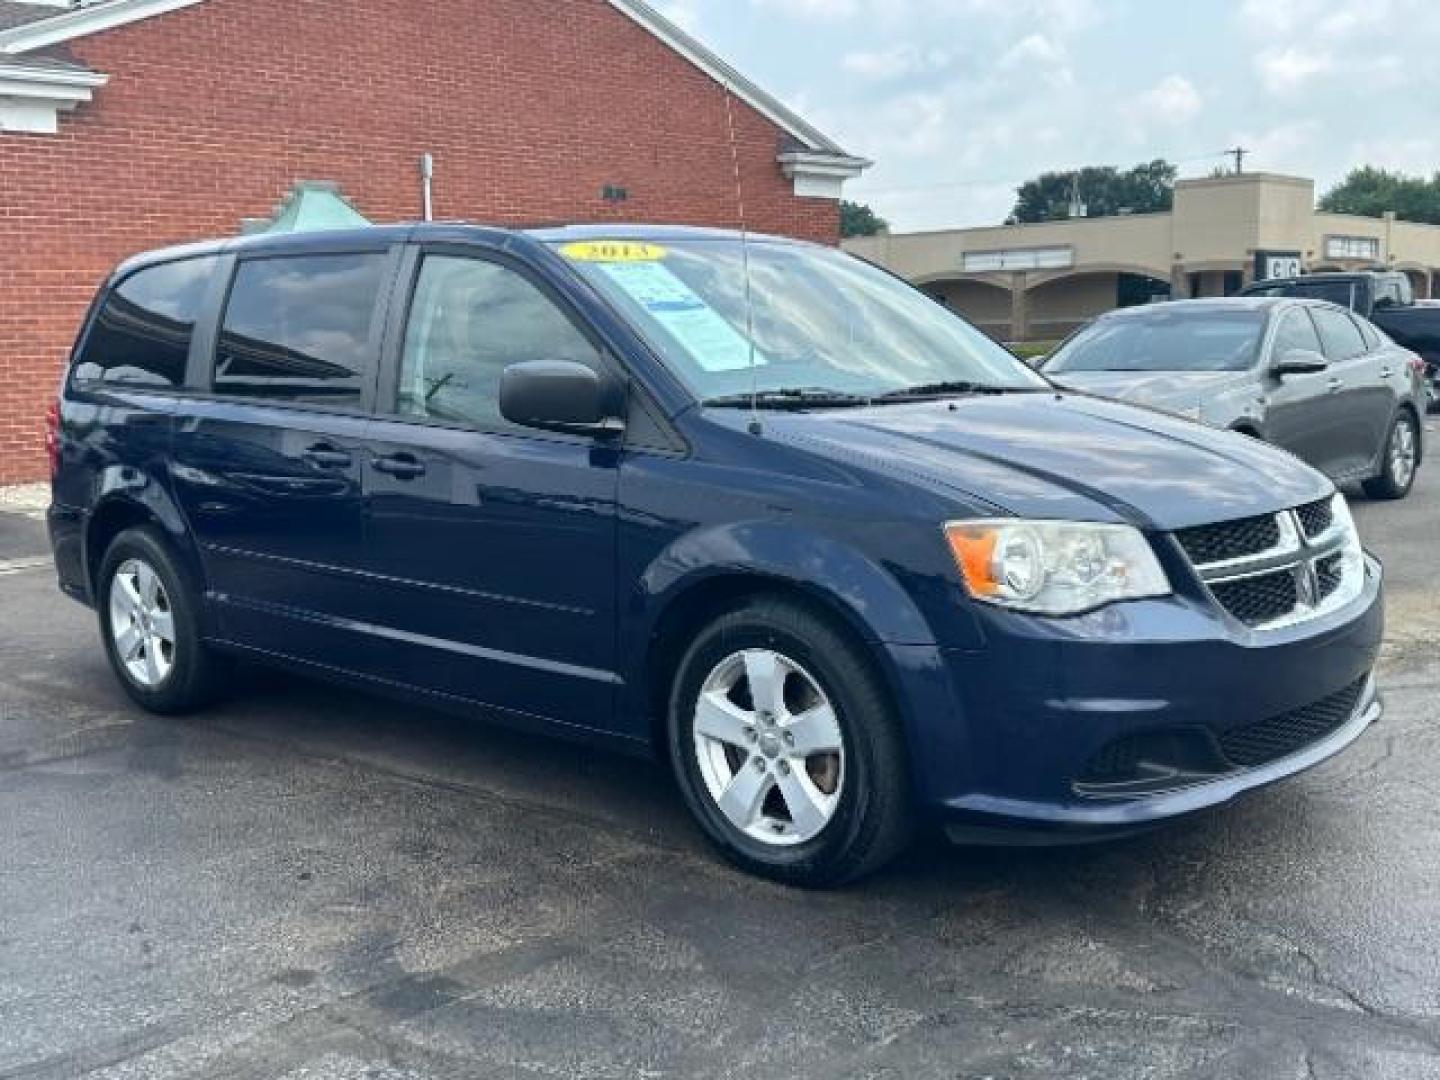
{"x":1307,"y":375}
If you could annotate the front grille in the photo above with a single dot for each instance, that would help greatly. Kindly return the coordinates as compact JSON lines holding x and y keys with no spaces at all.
{"x":1316,"y":518}
{"x":1230,"y":539}
{"x":1329,"y":573}
{"x":1269,"y":740}
{"x":1260,"y":599}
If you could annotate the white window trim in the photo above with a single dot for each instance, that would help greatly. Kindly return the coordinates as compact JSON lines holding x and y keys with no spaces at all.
{"x":32,"y":99}
{"x":78,"y":22}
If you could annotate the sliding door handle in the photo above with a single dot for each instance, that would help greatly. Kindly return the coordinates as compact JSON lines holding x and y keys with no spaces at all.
{"x":400,"y":466}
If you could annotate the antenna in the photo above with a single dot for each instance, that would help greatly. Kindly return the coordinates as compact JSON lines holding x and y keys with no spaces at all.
{"x":755,"y":428}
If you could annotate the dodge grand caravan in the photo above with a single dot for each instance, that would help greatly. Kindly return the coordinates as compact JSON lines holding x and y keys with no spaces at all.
{"x":756,"y":507}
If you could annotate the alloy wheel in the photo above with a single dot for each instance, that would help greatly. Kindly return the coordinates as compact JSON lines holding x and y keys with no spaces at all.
{"x":1402,"y":452}
{"x":142,"y":623}
{"x":769,"y":746}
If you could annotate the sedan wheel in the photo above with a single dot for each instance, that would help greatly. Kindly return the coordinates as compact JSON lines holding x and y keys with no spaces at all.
{"x":1401,"y":460}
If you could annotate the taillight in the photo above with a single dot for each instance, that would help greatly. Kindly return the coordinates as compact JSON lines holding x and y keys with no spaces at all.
{"x":52,"y":437}
{"x":1417,"y":364}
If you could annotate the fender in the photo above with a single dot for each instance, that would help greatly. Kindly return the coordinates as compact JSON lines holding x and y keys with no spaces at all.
{"x":131,"y":494}
{"x":869,"y":596}
{"x":838,"y":576}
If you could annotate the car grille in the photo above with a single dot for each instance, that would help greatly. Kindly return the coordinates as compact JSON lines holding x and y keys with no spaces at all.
{"x":1230,"y":539}
{"x":1260,"y":599}
{"x":1269,"y":740}
{"x":1316,"y":518}
{"x":1278,"y":569}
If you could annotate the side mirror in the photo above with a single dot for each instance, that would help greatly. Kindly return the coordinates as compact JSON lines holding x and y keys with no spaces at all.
{"x":1298,"y":362}
{"x":559,"y":395}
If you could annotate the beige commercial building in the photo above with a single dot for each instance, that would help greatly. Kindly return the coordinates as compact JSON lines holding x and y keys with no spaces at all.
{"x":1038,"y":282}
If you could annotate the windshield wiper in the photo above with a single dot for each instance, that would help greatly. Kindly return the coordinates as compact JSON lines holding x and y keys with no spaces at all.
{"x":954,"y":386}
{"x":790,"y":397}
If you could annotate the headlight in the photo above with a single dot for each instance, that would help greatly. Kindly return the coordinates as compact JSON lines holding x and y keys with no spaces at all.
{"x":1054,"y":567}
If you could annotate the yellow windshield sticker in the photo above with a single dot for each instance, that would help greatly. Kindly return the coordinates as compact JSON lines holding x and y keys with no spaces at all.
{"x":612,"y":251}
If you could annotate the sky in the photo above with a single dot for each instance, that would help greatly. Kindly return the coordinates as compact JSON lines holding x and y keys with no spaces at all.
{"x":959,"y":101}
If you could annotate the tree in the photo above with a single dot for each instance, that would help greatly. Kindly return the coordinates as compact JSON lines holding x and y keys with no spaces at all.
{"x":1103,"y":190}
{"x":857,"y":219}
{"x":1370,"y":192}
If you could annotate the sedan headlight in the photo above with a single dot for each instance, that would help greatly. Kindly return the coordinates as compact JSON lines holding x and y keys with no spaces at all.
{"x":1054,"y":567}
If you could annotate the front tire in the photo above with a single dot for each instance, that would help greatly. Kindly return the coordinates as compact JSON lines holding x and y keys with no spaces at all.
{"x":150,"y":625}
{"x":1401,"y":460}
{"x":786,"y":748}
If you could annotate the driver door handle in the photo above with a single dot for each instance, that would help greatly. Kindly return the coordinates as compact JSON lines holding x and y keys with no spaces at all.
{"x":401,"y":466}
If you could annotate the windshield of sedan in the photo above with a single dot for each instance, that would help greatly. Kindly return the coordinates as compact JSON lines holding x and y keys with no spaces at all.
{"x":819,"y":325}
{"x":1174,"y":340}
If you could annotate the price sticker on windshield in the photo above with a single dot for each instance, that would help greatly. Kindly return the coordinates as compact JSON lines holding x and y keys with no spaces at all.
{"x":612,"y":251}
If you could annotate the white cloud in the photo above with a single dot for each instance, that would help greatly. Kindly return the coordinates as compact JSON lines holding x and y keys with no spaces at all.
{"x":1032,"y":49}
{"x":1288,"y":70}
{"x":898,"y":61}
{"x":1172,"y":101}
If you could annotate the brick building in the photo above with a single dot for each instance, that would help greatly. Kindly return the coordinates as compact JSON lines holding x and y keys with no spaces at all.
{"x":128,"y":124}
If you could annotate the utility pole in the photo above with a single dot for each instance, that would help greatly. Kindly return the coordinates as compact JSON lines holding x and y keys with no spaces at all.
{"x":1240,"y":155}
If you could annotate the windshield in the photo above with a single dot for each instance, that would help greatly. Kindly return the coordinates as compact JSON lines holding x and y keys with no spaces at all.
{"x":1176,"y":340}
{"x":819,"y":321}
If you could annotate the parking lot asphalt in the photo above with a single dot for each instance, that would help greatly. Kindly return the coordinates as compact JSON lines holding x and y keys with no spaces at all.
{"x":307,"y":883}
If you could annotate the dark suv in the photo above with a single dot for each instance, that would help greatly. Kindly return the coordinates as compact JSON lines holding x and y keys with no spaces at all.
{"x":751,"y":505}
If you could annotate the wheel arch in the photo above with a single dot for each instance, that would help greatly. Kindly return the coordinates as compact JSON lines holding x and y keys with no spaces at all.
{"x":134,"y":504}
{"x":687,"y":587}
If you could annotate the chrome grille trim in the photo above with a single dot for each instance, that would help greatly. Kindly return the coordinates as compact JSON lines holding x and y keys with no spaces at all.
{"x":1317,"y":564}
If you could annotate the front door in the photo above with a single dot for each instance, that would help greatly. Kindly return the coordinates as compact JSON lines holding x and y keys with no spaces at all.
{"x":492,"y":546}
{"x":1362,"y":397}
{"x":1303,"y":415}
{"x":267,"y":465}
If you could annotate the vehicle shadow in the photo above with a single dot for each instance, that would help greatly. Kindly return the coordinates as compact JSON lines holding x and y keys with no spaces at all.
{"x":486,"y":760}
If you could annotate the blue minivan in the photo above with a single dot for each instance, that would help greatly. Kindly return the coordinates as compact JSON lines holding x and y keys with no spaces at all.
{"x":748,"y":504}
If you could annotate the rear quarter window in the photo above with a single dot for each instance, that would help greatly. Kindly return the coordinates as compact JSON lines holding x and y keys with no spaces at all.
{"x":141,"y":336}
{"x":301,"y":328}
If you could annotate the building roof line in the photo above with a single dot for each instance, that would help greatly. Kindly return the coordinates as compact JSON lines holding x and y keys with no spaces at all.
{"x":70,"y":23}
{"x":722,"y":72}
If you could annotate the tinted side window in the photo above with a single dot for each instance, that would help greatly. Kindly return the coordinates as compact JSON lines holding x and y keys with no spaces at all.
{"x":301,"y":328}
{"x":1296,"y":331}
{"x":142,"y":334}
{"x":1341,"y":336}
{"x":471,"y":319}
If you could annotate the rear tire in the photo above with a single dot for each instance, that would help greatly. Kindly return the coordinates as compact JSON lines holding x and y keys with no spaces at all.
{"x":786,"y":748}
{"x":150,"y":625}
{"x":1401,"y":459}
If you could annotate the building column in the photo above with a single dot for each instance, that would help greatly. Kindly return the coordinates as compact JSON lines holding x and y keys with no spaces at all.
{"x":1019,"y":308}
{"x":1179,"y":283}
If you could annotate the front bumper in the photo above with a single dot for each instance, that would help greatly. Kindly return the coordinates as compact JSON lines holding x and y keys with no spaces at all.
{"x":1033,"y":709}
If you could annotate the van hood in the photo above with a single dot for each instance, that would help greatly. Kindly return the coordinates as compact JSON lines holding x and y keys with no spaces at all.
{"x":1065,"y":456}
{"x":1174,"y":391}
